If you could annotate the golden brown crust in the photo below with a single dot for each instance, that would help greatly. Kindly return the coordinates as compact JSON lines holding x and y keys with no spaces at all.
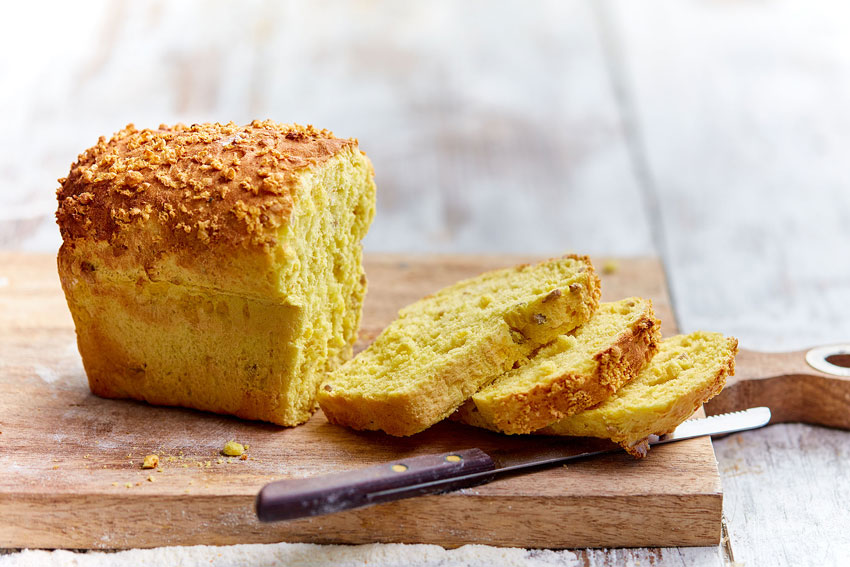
{"x":205,"y":183}
{"x":684,"y":408}
{"x":529,"y":324}
{"x":113,"y":372}
{"x":571,"y":393}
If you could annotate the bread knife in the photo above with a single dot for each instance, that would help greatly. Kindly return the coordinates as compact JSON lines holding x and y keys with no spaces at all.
{"x":431,"y":474}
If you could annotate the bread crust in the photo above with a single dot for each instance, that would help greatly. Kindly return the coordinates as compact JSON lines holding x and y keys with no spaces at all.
{"x":526,"y":327}
{"x":207,"y":184}
{"x":633,"y":437}
{"x":637,"y":443}
{"x":183,"y":249}
{"x":568,"y":393}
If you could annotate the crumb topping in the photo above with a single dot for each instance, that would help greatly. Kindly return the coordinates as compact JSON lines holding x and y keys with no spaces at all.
{"x":204,"y":182}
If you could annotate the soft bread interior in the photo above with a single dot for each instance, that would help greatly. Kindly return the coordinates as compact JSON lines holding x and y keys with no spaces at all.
{"x":444,"y":347}
{"x":578,"y":369}
{"x":687,"y":371}
{"x":248,"y":332}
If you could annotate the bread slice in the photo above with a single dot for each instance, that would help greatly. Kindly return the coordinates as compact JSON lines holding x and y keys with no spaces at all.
{"x":576,"y":371}
{"x":446,"y":346}
{"x":216,"y":266}
{"x":687,"y":371}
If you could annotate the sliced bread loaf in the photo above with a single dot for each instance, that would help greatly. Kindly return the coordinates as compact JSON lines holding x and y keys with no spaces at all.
{"x":216,"y":266}
{"x":687,"y":371}
{"x":443,"y":348}
{"x":576,"y":371}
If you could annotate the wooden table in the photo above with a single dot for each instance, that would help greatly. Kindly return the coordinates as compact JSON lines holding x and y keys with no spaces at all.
{"x":712,"y":134}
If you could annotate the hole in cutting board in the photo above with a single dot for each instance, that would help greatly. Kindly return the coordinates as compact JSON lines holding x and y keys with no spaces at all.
{"x":842,"y":360}
{"x":830,"y":359}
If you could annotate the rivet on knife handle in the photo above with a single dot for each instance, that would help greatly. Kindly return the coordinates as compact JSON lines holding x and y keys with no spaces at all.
{"x":314,"y":496}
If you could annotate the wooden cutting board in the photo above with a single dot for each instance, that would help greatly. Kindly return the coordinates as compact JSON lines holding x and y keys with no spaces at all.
{"x":70,"y":471}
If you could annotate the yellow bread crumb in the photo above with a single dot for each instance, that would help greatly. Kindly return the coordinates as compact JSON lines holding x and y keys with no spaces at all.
{"x":610,"y":267}
{"x":233,"y":449}
{"x":150,"y":462}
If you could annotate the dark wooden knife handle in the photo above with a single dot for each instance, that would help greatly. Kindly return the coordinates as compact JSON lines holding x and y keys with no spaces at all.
{"x":314,"y":496}
{"x":790,"y":386}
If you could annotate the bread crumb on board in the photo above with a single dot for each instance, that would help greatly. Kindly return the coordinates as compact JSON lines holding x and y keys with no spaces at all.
{"x":150,"y":462}
{"x":610,"y":267}
{"x":233,"y":449}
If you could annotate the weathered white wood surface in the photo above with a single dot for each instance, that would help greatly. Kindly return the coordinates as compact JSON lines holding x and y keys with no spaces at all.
{"x":375,"y":555}
{"x":786,"y":490}
{"x":491,"y":126}
{"x":742,"y":122}
{"x":712,"y":133}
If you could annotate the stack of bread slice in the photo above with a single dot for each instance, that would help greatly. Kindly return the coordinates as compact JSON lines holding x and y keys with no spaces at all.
{"x":530,"y":350}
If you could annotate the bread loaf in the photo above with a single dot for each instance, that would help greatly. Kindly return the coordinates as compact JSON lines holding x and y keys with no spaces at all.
{"x":216,"y":266}
{"x":688,"y":371}
{"x":443,"y":348}
{"x":576,"y":371}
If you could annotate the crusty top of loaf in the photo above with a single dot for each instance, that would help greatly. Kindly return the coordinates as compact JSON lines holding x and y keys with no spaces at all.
{"x":204,"y":182}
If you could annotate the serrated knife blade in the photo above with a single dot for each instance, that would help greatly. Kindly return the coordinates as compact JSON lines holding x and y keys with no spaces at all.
{"x":720,"y":424}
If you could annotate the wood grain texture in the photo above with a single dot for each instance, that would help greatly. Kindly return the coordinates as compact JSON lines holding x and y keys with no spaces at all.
{"x":741,"y":123}
{"x":794,"y":391}
{"x":68,"y":455}
{"x":786,"y":490}
{"x":376,"y":555}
